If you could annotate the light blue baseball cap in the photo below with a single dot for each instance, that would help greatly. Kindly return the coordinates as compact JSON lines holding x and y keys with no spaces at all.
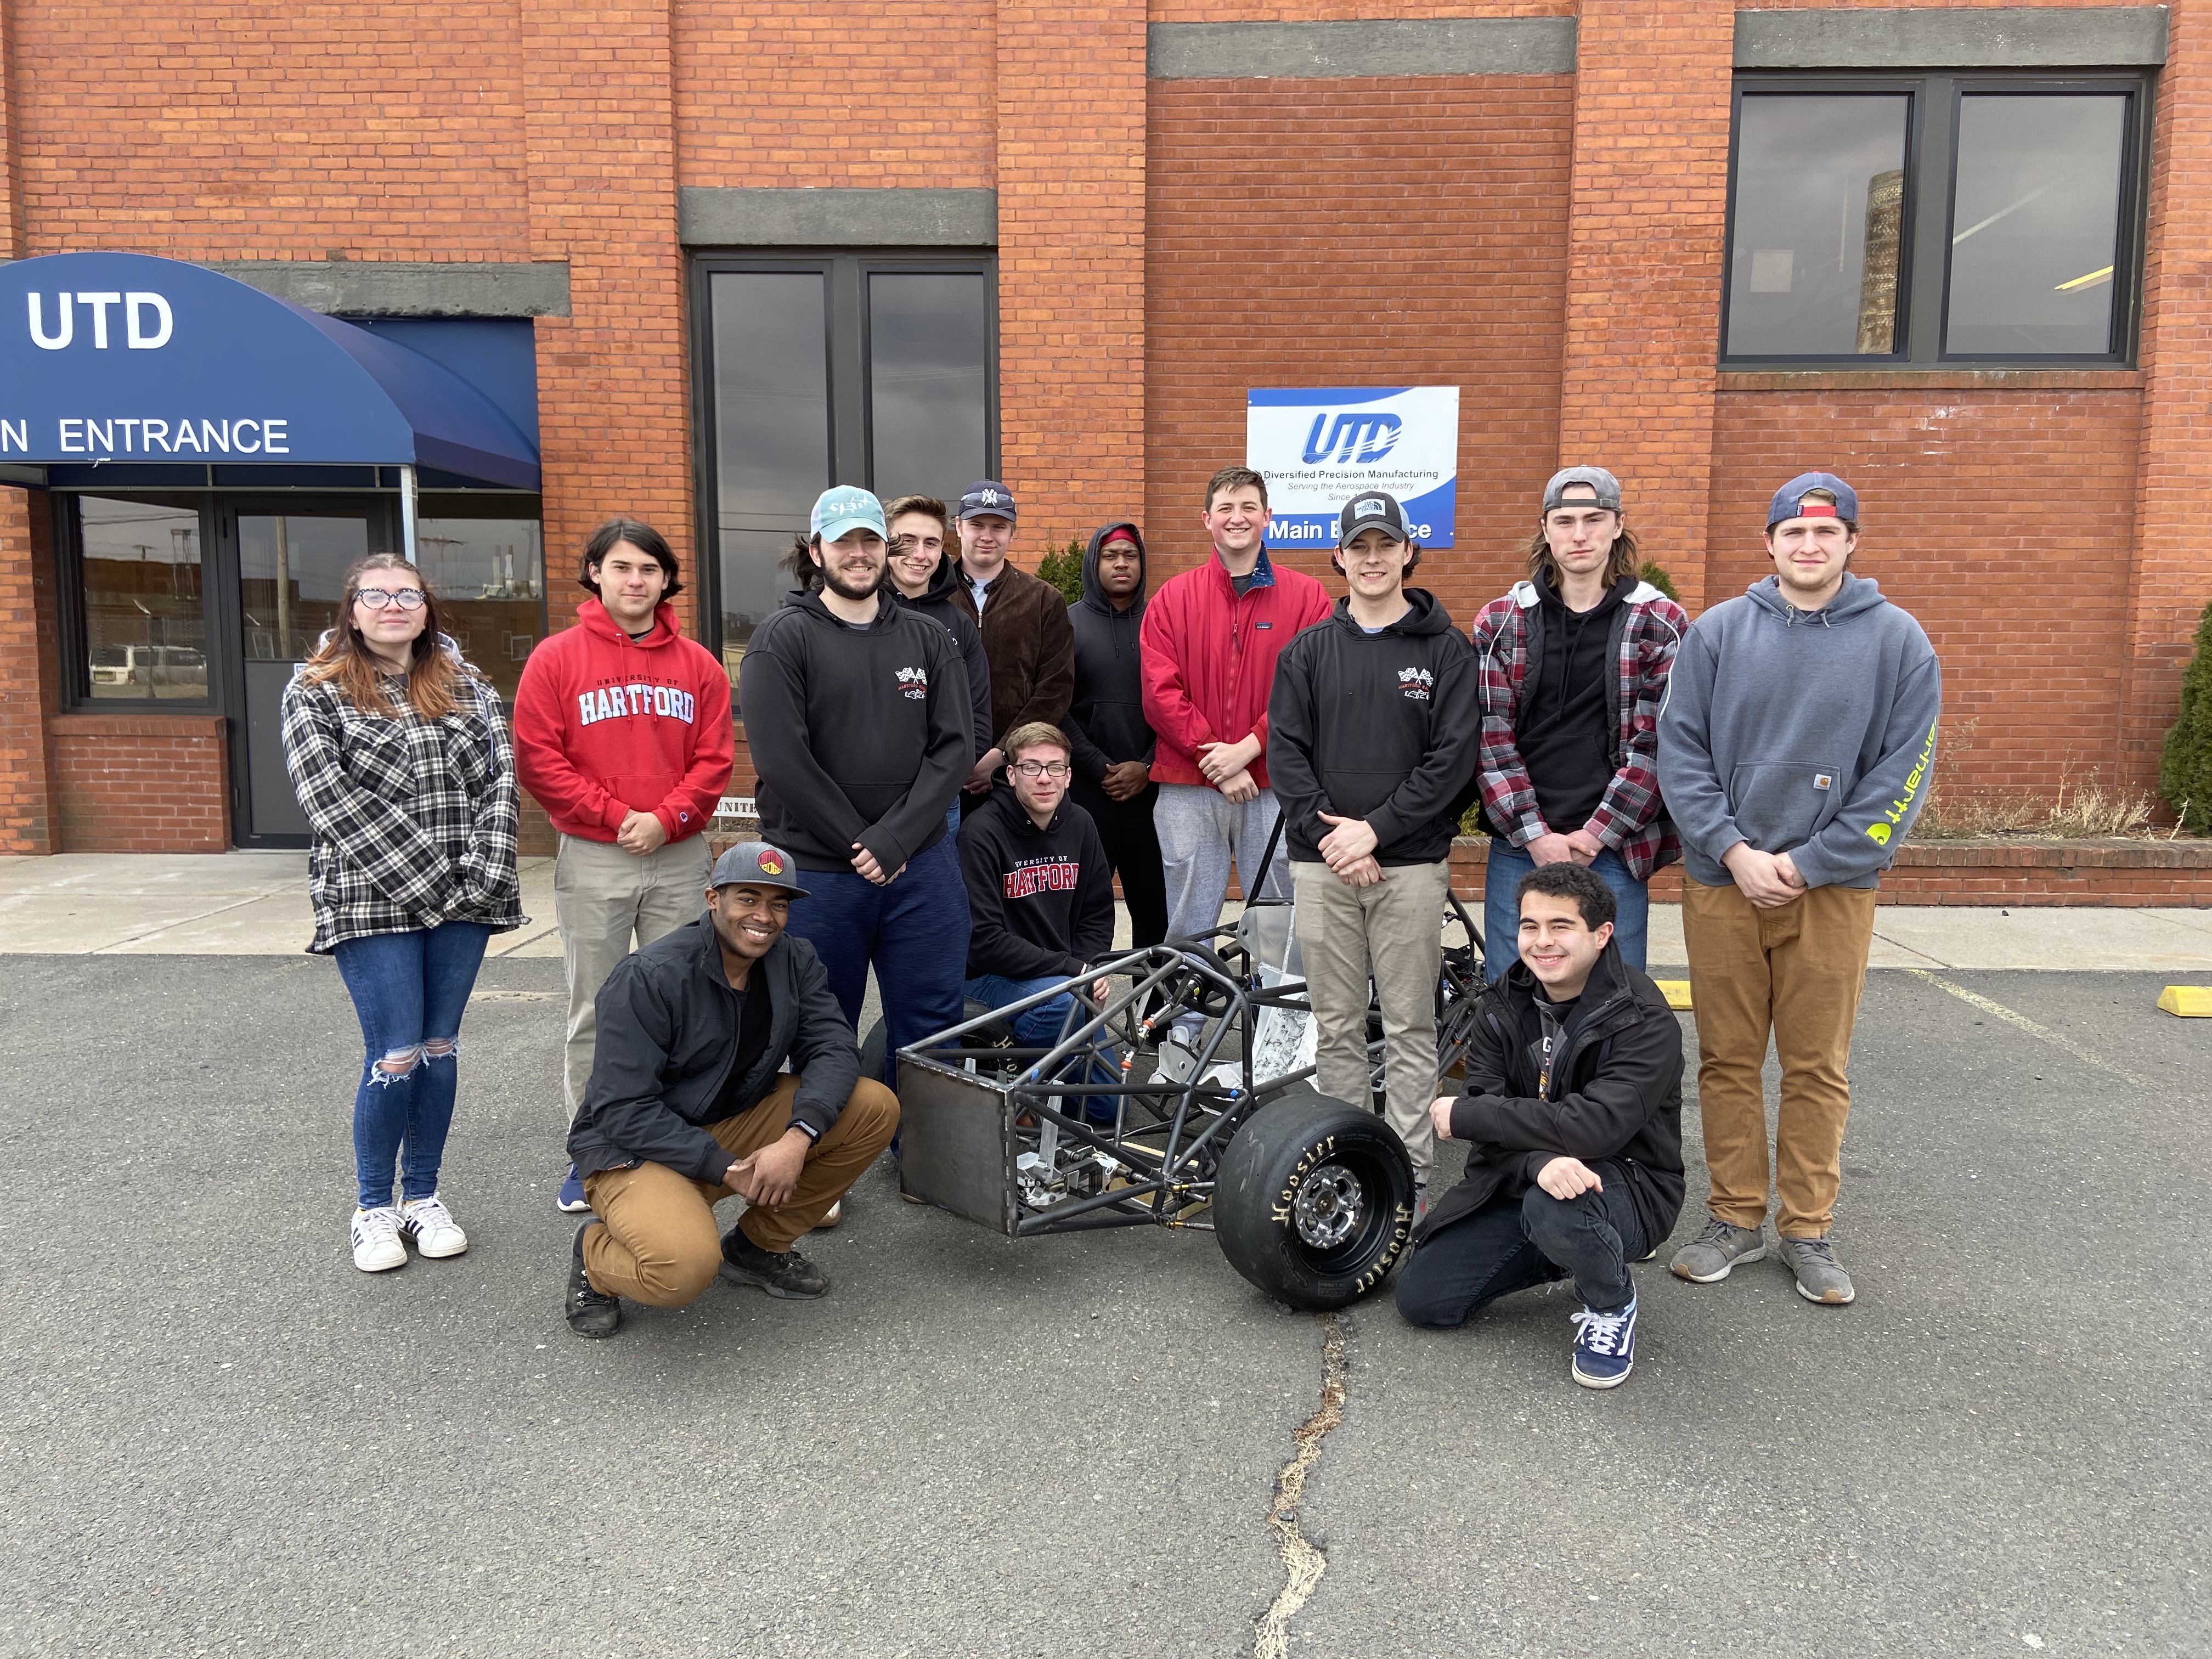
{"x":841,"y":511}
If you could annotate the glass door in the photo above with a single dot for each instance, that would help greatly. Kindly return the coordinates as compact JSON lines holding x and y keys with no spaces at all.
{"x":291,"y":560}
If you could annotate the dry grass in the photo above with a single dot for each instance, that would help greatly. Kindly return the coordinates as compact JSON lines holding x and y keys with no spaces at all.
{"x":2077,"y":810}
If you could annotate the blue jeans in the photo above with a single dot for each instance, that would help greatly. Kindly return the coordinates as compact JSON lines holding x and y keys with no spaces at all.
{"x":916,"y":933}
{"x":1501,"y":906}
{"x":1039,"y":1028}
{"x":1509,"y":1244}
{"x":408,"y":991}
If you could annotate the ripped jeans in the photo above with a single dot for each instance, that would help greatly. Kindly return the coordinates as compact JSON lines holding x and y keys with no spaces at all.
{"x":408,"y":990}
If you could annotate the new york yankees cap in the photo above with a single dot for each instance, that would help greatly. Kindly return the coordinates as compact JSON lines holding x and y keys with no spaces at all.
{"x":841,"y":511}
{"x":1789,"y":500}
{"x":987,"y":496}
{"x":1595,"y":478}
{"x":756,"y":864}
{"x":1371,"y":510}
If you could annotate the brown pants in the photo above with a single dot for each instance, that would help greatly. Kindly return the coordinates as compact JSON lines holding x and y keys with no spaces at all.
{"x":1795,"y":971}
{"x":660,"y":1245}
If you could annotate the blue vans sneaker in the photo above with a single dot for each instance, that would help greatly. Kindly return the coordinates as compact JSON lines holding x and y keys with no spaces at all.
{"x":1604,"y":1348}
{"x":572,"y":1201}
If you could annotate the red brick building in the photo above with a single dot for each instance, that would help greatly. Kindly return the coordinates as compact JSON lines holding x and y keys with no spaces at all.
{"x":710,"y":258}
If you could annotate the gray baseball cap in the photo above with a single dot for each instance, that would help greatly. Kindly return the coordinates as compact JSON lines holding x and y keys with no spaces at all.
{"x":1607,"y":487}
{"x":756,"y":864}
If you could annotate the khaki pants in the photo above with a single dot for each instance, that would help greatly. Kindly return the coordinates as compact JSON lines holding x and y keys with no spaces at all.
{"x":1795,"y":971}
{"x":1394,"y":930}
{"x":660,"y":1245}
{"x":602,"y":896}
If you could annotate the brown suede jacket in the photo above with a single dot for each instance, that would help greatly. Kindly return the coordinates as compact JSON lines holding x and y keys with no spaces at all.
{"x":1031,"y":646}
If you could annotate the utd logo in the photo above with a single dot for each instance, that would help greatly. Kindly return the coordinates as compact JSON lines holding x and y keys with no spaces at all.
{"x":914,"y":683}
{"x":1413,"y":684}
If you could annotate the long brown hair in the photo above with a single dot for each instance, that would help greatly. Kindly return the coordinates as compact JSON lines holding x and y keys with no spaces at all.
{"x":1623,"y":560}
{"x":344,"y":659}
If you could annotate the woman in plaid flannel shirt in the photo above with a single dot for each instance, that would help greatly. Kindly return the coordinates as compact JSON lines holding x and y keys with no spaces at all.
{"x":397,"y":751}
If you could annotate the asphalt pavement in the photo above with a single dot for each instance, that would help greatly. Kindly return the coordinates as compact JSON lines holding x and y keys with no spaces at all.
{"x":218,"y":1437}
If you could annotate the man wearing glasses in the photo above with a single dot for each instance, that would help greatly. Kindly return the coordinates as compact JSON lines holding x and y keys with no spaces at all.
{"x":1040,"y":891}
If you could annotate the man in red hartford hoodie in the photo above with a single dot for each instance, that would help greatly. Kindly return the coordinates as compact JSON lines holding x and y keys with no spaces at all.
{"x":622,"y":734}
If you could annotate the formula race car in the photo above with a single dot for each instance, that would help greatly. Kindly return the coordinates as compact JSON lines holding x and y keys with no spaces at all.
{"x":1184,"y":1099}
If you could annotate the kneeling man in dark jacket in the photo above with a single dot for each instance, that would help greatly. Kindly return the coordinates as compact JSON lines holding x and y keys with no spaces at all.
{"x":686,"y":1106}
{"x":1573,"y":1113}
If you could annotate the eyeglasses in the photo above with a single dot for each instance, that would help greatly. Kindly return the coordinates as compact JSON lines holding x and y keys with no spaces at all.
{"x":407,"y":599}
{"x":1041,"y":768}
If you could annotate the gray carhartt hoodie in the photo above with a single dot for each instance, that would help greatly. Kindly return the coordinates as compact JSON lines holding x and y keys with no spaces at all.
{"x":1809,"y":733}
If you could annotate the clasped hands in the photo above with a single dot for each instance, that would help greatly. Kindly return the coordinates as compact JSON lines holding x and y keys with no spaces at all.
{"x":1227,"y":767}
{"x":770,"y":1176}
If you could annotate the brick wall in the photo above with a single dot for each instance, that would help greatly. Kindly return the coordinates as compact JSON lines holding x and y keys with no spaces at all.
{"x":142,"y":783}
{"x":1264,"y":267}
{"x":29,"y":672}
{"x":2000,"y":517}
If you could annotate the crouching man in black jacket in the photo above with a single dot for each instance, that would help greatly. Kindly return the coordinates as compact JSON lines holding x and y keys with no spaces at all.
{"x":1573,"y":1113}
{"x":685,"y":1106}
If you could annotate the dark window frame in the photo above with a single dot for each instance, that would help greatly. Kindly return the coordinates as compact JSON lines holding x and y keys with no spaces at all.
{"x":74,"y":633}
{"x":1931,"y":158}
{"x":845,"y":272}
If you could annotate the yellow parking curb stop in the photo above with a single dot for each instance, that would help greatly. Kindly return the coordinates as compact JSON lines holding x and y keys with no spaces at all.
{"x":1677,"y":992}
{"x":2189,"y":1001}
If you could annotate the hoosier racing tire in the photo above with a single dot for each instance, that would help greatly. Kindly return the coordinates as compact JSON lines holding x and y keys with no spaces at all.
{"x":1313,"y":1201}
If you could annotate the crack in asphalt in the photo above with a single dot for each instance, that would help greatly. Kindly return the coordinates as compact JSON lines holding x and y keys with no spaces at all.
{"x":1303,"y":1560}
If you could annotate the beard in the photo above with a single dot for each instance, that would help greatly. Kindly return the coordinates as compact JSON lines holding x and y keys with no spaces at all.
{"x":846,"y":585}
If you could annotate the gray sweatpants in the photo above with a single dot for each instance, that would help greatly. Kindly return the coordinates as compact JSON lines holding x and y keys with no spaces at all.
{"x":602,"y":896}
{"x":1394,"y":931}
{"x":1199,"y":834}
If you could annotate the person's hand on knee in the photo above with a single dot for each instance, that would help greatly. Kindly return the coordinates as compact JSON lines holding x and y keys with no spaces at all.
{"x":1569,"y":1177}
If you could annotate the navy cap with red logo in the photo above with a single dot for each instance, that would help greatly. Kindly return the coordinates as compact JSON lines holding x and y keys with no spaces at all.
{"x":1789,"y":500}
{"x":756,"y":864}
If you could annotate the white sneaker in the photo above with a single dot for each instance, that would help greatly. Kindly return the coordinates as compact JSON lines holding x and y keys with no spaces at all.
{"x":837,"y":1214}
{"x":431,"y":1227}
{"x":376,"y":1246}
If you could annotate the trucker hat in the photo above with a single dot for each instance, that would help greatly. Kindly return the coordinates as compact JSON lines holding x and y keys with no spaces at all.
{"x":846,"y":508}
{"x":1371,"y":510}
{"x":756,"y":864}
{"x":987,"y":496}
{"x":1607,"y":487}
{"x":1789,"y":502}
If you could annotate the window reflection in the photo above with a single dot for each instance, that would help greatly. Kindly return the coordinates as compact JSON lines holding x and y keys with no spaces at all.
{"x":291,"y":571}
{"x":1819,"y":215}
{"x":928,"y":337}
{"x":489,"y":577}
{"x":145,"y":621}
{"x":2035,"y":224}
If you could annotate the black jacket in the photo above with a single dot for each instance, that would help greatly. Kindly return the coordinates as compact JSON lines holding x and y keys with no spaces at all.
{"x":1106,"y":720}
{"x":668,"y":1035}
{"x":938,"y":602}
{"x":1616,"y":1098}
{"x":1380,"y":726}
{"x":1040,"y":902}
{"x":858,"y":734}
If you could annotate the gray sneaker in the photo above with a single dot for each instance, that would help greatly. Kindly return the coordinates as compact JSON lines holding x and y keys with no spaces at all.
{"x":1818,"y":1278}
{"x":1714,"y":1253}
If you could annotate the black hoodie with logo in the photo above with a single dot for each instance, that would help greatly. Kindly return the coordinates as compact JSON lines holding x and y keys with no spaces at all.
{"x":1106,"y":720}
{"x":937,"y":601}
{"x":1382,"y":727}
{"x":1041,"y":902}
{"x":858,"y":734}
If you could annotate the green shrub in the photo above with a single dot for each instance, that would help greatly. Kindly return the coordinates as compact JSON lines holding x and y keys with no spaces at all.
{"x":1660,"y":580}
{"x":1063,"y":568}
{"x":2184,"y":771}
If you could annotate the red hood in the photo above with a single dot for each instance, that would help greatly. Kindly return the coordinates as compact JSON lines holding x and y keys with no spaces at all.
{"x":593,"y":616}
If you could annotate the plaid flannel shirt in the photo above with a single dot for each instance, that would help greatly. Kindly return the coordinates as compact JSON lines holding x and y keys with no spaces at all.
{"x":413,"y":820}
{"x":1629,"y":818}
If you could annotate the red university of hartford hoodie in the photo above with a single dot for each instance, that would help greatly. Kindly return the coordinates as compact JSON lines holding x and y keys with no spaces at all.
{"x":605,"y":726}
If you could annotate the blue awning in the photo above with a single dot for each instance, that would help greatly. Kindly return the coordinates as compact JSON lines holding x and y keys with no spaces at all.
{"x":123,"y":357}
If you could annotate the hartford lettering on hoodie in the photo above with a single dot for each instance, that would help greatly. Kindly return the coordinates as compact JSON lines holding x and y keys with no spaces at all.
{"x":610,"y":703}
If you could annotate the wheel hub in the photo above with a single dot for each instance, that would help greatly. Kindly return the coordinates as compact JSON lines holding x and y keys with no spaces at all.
{"x":1328,"y":1206}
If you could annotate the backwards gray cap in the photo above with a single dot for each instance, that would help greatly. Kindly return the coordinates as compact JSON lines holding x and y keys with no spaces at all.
{"x":1608,"y":486}
{"x":756,"y":864}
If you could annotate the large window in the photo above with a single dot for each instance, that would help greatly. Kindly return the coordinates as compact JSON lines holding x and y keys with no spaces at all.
{"x":875,"y":370}
{"x":145,"y":633}
{"x":1898,"y":220}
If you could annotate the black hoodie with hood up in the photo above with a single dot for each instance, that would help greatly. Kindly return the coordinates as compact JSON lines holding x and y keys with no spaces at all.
{"x":1106,"y":721}
{"x":858,"y":734}
{"x":1382,"y":726}
{"x":937,"y":601}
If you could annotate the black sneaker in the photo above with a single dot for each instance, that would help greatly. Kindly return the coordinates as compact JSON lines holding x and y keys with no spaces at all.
{"x":789,"y":1274}
{"x":590,"y":1313}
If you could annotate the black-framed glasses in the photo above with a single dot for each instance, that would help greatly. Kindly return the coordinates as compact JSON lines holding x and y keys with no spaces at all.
{"x":1041,"y":768}
{"x":407,"y":599}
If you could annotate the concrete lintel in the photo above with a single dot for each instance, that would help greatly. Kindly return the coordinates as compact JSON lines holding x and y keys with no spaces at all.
{"x":1311,"y":52}
{"x":724,"y":215}
{"x":1962,"y":37}
{"x":409,"y":288}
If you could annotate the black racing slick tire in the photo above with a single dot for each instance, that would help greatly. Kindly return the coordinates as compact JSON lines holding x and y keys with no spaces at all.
{"x":1313,"y":1202}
